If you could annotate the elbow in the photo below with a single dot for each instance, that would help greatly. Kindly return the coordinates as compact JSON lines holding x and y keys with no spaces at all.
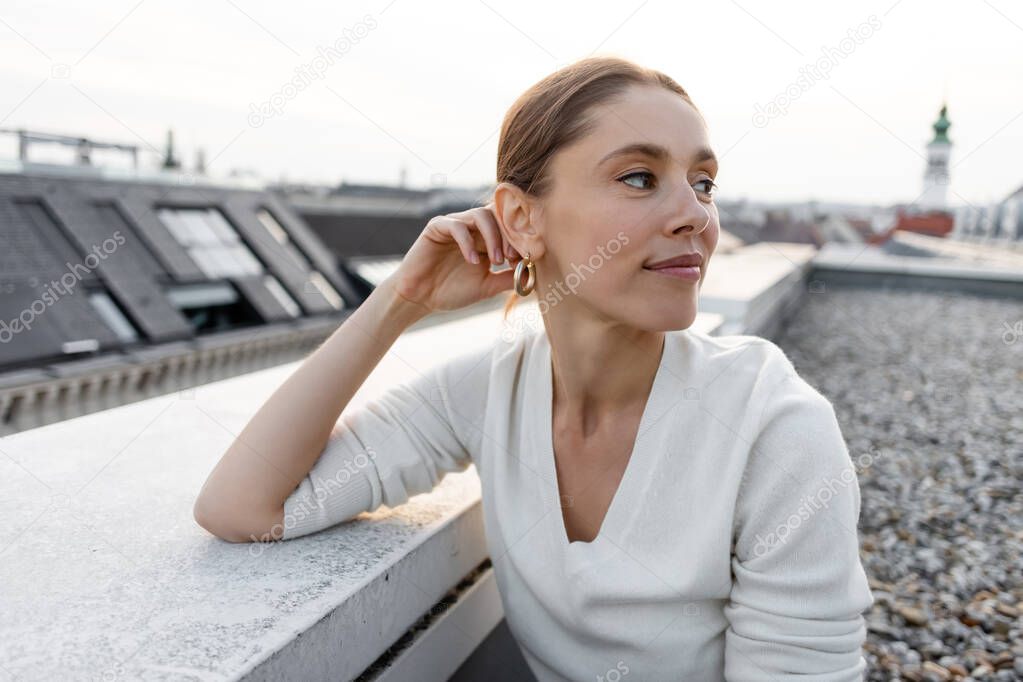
{"x":230,"y":529}
{"x":212,"y":522}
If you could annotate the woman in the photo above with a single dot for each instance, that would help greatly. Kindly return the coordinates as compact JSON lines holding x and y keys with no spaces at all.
{"x":659,"y":503}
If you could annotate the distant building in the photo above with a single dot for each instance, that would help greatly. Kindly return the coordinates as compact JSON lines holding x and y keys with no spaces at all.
{"x":932,"y":223}
{"x":929,"y":215}
{"x":808,"y":222}
{"x":1000,"y":222}
{"x":170,"y":160}
{"x":936,"y":175}
{"x":837,"y":228}
{"x":785,"y":225}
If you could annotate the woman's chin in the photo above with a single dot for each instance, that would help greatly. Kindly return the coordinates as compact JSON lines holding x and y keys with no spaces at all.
{"x":669,"y":319}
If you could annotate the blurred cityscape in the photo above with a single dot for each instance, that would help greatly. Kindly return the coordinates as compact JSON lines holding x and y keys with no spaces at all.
{"x":208,"y":257}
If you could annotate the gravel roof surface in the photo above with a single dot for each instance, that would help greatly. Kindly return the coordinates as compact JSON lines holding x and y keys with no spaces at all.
{"x":928,"y":390}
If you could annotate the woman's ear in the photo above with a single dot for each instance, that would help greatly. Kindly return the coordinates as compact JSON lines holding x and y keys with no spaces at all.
{"x":514,"y":211}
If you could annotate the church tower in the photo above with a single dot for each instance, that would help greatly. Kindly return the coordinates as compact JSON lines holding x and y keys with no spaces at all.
{"x":936,"y":177}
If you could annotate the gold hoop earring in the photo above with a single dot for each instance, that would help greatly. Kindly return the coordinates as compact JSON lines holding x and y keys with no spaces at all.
{"x":525,"y":264}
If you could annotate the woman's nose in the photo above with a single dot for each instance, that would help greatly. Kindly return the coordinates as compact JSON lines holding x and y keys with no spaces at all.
{"x":690,"y":213}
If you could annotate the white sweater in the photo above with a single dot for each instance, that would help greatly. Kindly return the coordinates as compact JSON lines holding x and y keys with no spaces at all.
{"x":729,"y":550}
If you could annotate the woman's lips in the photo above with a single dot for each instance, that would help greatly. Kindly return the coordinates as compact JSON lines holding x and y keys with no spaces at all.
{"x":689,"y":273}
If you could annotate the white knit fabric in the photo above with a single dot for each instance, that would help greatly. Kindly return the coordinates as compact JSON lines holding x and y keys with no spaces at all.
{"x":729,"y":551}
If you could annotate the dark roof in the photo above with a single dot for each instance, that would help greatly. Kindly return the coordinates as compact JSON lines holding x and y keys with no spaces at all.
{"x":385,"y":226}
{"x":68,"y":238}
{"x":353,"y":235}
{"x":389,"y":191}
{"x":935,"y":223}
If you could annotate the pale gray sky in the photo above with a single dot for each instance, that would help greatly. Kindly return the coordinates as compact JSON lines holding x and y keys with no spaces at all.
{"x":425,"y":85}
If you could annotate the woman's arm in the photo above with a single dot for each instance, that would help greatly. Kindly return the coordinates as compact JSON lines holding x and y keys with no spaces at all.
{"x":398,"y":444}
{"x":799,"y":589}
{"x":244,"y":496}
{"x":245,"y":493}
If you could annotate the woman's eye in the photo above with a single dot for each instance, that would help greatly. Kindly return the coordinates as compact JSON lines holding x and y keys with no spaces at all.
{"x":633,"y":175}
{"x":705,"y":186}
{"x":710,"y":186}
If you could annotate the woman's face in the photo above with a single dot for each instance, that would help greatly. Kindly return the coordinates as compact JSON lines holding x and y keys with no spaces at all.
{"x":611,"y":211}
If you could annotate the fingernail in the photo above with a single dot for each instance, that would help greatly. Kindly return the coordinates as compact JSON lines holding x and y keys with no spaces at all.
{"x":475,"y":257}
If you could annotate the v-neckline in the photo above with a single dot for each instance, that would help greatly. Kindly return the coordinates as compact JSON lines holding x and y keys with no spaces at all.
{"x":628,"y":476}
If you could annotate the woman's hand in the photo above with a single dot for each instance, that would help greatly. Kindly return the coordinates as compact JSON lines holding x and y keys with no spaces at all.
{"x":438,"y":272}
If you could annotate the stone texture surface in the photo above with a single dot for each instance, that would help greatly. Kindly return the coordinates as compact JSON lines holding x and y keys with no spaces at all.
{"x":928,"y":389}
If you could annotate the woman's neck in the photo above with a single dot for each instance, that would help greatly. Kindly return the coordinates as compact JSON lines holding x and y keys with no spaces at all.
{"x":600,"y":370}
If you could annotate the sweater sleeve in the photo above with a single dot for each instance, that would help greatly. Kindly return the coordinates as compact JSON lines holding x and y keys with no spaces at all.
{"x":396,"y":445}
{"x":799,"y":590}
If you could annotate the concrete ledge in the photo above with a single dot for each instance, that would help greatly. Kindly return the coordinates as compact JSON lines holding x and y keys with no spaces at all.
{"x":756,"y":286}
{"x":478,"y":611}
{"x":355,"y":633}
{"x":863,"y":265}
{"x":984,"y":251}
{"x":106,"y":575}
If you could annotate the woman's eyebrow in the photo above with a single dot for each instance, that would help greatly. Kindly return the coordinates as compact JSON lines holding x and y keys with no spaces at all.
{"x":656,"y":151}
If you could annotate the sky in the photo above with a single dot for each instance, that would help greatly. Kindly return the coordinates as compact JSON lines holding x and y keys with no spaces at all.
{"x":804,"y":100}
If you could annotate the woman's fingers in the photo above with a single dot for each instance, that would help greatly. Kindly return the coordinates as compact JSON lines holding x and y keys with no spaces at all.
{"x":486,"y":223}
{"x":475,"y":227}
{"x":510,"y":252}
{"x":459,"y":231}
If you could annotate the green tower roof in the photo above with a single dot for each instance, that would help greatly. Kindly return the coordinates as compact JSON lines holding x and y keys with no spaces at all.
{"x":942,"y":125}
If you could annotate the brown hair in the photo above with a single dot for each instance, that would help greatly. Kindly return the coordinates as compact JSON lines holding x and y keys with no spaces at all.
{"x":553,"y":114}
